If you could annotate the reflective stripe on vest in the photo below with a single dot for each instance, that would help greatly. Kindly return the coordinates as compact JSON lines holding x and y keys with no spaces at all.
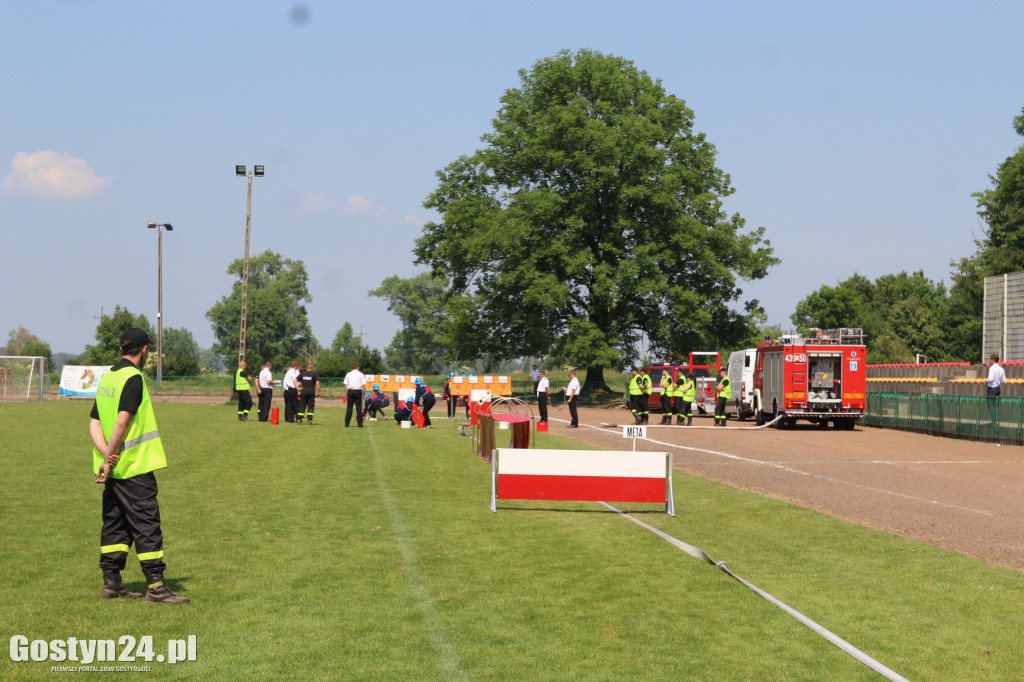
{"x":143,"y":450}
{"x":726,"y":389}
{"x":634,"y":385}
{"x":689,"y":391}
{"x":241,"y":383}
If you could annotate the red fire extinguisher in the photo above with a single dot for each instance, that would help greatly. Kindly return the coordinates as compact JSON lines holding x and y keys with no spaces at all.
{"x":275,"y":415}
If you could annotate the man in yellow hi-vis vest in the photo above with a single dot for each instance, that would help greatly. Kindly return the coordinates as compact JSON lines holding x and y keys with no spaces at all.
{"x":242,"y":380}
{"x":723,"y":393}
{"x":126,"y":451}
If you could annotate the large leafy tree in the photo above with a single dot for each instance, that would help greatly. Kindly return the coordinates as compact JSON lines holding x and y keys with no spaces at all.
{"x":346,"y":341}
{"x":21,"y":341}
{"x":107,"y":350}
{"x":998,"y":251}
{"x":420,"y":345}
{"x":592,"y":217}
{"x":181,"y":353}
{"x":277,"y":322}
{"x":901,"y":315}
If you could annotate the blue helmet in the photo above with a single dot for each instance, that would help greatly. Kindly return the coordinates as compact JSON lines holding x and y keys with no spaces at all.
{"x":417,"y":381}
{"x":376,"y":387}
{"x":410,"y":399}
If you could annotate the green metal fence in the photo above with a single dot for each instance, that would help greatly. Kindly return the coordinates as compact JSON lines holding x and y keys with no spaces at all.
{"x":972,"y":417}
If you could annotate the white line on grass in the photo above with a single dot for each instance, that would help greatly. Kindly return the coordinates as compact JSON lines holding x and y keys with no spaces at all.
{"x":789,"y":469}
{"x":820,"y":630}
{"x":425,"y":600}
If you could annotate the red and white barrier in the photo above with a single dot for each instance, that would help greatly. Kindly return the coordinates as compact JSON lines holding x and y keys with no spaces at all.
{"x":582,"y":475}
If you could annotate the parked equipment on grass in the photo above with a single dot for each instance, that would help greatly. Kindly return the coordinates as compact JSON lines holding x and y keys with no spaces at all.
{"x":820,"y":378}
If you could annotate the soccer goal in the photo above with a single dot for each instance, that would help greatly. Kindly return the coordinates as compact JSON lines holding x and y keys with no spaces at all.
{"x":22,"y":377}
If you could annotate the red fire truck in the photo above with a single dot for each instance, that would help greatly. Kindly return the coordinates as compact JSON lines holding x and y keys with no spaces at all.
{"x":704,"y":366}
{"x":821,"y":378}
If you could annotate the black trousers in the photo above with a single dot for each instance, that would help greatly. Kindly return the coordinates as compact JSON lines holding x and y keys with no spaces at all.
{"x":355,"y":401}
{"x":307,"y":403}
{"x":685,"y":408}
{"x":453,"y":402}
{"x":573,"y":415}
{"x":542,"y":405}
{"x":720,"y":409}
{"x":373,"y":407}
{"x":428,"y":402}
{"x":244,"y":403}
{"x":131,"y":516}
{"x":266,"y":396}
{"x":291,"y":404}
{"x":992,"y":399}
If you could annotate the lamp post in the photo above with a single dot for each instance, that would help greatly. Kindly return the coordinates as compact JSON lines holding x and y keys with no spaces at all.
{"x":258,"y":172}
{"x":160,"y":298}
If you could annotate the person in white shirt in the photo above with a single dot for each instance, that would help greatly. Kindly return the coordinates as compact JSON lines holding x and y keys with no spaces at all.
{"x":291,"y":392}
{"x":994,"y":382}
{"x":355,"y":383}
{"x":265,"y":386}
{"x":572,"y":391}
{"x":542,"y":395}
{"x":534,"y":377}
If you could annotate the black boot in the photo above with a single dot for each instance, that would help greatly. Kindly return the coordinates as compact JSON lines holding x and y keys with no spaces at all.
{"x":113,"y":588}
{"x":161,"y":594}
{"x":689,"y":421}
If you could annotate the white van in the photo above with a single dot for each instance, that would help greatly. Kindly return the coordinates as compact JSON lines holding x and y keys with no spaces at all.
{"x":741,"y":377}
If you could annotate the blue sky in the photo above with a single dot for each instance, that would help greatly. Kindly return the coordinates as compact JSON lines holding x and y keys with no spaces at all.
{"x":854,"y":132}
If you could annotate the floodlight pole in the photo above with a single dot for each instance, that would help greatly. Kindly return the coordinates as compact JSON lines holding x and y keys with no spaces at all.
{"x":241,"y":171}
{"x":160,"y":298}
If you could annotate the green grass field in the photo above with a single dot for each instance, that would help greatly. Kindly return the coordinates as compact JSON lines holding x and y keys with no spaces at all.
{"x":321,"y":553}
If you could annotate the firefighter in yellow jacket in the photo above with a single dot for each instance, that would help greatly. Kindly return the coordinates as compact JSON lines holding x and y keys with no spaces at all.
{"x":723,"y":393}
{"x":126,"y":451}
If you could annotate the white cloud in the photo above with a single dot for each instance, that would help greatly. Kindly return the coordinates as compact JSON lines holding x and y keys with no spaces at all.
{"x":357,"y":204}
{"x":317,"y":202}
{"x":413,"y":220}
{"x":52,"y":175}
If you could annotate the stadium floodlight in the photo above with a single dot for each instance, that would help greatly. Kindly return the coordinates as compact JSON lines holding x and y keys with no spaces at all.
{"x":160,"y":297}
{"x":258,"y":172}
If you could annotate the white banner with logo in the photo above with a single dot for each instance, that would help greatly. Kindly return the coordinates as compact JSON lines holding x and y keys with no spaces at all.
{"x":80,"y":381}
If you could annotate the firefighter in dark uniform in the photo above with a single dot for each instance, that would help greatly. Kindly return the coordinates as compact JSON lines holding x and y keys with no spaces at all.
{"x":403,"y":411}
{"x":645,"y":387}
{"x":425,"y":399}
{"x":723,"y":392}
{"x":126,"y":451}
{"x":635,"y":395}
{"x":668,"y":389}
{"x":686,"y":393}
{"x":242,"y":379}
{"x":310,"y":382}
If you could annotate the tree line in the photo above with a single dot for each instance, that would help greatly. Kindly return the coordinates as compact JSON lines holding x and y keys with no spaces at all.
{"x":589,"y":230}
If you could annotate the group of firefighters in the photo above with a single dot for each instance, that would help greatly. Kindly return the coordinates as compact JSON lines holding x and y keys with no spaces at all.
{"x":677,"y":397}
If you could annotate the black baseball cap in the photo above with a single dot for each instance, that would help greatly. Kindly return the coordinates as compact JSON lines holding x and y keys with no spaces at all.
{"x":134,"y":338}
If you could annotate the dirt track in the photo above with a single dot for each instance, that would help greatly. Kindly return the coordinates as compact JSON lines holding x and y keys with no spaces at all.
{"x":961,"y":495}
